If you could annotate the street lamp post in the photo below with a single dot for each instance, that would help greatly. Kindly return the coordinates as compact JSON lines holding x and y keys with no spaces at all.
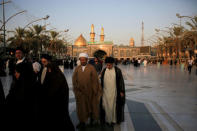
{"x":5,"y":21}
{"x":11,"y":18}
{"x":4,"y":25}
{"x":45,"y":18}
{"x":4,"y":28}
{"x":180,"y":17}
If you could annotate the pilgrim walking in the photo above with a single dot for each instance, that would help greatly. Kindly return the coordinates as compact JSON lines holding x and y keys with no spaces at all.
{"x":113,"y":98}
{"x":20,"y":100}
{"x":54,"y":98}
{"x":87,"y":91}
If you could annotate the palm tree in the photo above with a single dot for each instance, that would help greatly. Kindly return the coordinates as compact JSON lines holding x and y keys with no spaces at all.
{"x":34,"y":39}
{"x":38,"y":30}
{"x":167,"y":45}
{"x":18,"y":38}
{"x":53,"y":43}
{"x":189,"y":41}
{"x":45,"y":40}
{"x":177,"y":32}
{"x":54,"y":34}
{"x":31,"y":40}
{"x":189,"y":38}
{"x":193,"y":23}
{"x":60,"y":47}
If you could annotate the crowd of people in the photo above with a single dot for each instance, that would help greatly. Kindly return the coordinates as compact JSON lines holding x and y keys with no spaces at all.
{"x":99,"y":102}
{"x":39,"y":94}
{"x":184,"y":64}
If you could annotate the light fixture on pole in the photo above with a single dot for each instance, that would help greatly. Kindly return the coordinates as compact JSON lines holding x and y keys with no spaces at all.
{"x":45,"y":18}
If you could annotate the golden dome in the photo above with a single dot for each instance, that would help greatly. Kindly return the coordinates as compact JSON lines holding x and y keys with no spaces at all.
{"x":80,"y":41}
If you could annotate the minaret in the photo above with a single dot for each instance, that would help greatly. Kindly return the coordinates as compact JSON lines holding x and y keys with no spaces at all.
{"x":142,"y":40}
{"x":92,"y":34}
{"x":132,"y":43}
{"x":102,"y":35}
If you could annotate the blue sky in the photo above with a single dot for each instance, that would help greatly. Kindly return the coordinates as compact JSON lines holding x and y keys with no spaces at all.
{"x":121,"y":19}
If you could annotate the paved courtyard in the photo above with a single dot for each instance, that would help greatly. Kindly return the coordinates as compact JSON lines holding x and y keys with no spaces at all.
{"x":158,"y":98}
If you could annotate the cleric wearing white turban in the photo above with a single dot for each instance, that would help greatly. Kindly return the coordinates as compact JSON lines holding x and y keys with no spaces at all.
{"x":36,"y":67}
{"x":83,"y":55}
{"x":87,"y":91}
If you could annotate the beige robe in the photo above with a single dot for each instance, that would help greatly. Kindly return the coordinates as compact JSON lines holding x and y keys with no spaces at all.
{"x":109,"y":95}
{"x":87,"y":92}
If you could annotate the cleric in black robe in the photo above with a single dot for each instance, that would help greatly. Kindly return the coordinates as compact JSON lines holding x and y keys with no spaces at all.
{"x":66,"y":64}
{"x":120,"y":94}
{"x":54,"y":98}
{"x":71,"y":64}
{"x":20,"y":99}
{"x":11,"y":66}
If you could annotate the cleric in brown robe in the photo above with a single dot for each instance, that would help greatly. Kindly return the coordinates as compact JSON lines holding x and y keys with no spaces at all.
{"x":113,"y":98}
{"x":87,"y":91}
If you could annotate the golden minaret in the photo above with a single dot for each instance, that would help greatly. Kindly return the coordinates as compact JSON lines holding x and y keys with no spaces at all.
{"x":102,"y":35}
{"x":132,"y":43}
{"x":92,"y":34}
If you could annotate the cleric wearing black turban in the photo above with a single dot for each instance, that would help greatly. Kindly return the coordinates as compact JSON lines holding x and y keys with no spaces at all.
{"x":112,"y":82}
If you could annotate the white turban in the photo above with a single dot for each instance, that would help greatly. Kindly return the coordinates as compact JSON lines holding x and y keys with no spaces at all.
{"x":83,"y":55}
{"x":36,"y":66}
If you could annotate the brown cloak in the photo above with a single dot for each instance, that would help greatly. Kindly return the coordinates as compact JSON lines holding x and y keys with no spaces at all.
{"x":87,"y":92}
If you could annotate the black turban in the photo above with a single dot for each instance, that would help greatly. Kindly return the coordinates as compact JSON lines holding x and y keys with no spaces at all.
{"x":46,"y":56}
{"x":109,"y":60}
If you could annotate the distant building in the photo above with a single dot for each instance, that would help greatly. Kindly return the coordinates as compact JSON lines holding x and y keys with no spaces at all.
{"x":118,"y":51}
